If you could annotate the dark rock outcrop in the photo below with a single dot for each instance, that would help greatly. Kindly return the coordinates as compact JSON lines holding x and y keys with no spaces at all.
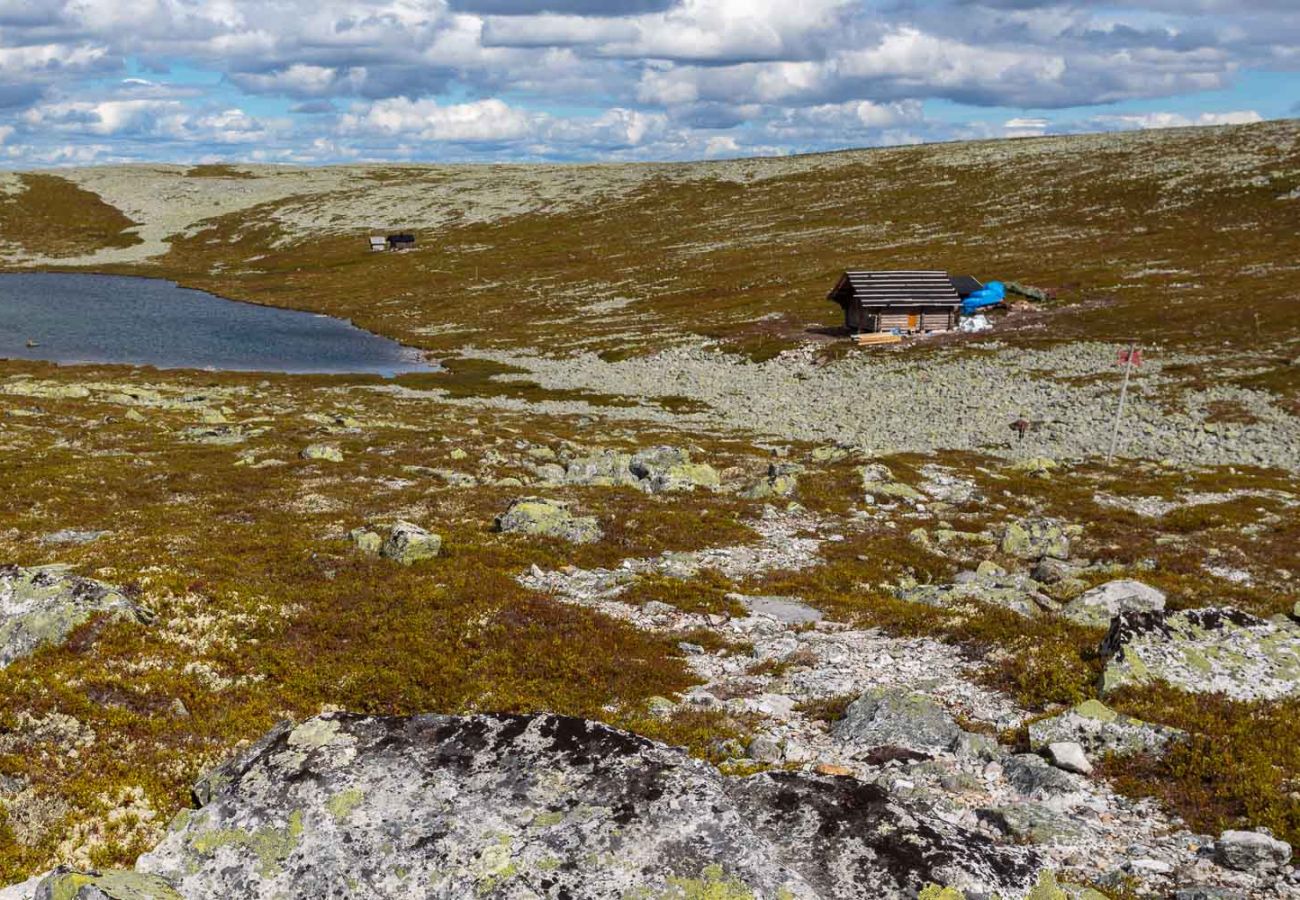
{"x":501,"y":805}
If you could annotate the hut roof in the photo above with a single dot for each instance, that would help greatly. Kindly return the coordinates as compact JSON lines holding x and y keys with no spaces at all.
{"x":907,"y":288}
{"x":965,"y":285}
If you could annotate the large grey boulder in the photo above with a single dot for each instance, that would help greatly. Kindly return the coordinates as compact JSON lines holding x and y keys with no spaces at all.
{"x":43,"y":604}
{"x":548,"y":518}
{"x":1204,"y":651}
{"x":525,"y":806}
{"x":1099,"y":730}
{"x":1096,"y":607}
{"x":1251,"y":851}
{"x":896,"y":717}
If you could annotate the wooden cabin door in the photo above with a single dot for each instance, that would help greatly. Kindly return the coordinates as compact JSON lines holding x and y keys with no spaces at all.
{"x":912,"y":321}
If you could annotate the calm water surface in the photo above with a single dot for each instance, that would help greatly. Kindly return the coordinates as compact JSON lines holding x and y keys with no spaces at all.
{"x":146,"y":321}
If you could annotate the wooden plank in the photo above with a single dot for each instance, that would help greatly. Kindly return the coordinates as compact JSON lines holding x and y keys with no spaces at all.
{"x":879,"y":337}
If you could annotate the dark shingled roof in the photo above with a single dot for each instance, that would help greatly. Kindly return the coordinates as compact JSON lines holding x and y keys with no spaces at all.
{"x":914,"y":288}
{"x":965,"y":285}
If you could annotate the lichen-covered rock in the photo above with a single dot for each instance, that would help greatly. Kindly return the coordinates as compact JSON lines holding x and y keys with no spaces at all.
{"x":1205,"y":651}
{"x":1251,"y":851}
{"x":1014,"y":592}
{"x":1096,"y":607}
{"x":325,"y":452}
{"x":511,"y":806}
{"x":1038,"y":466}
{"x":548,"y":518}
{"x":608,"y":468}
{"x":1033,"y":823}
{"x":402,"y":542}
{"x":879,"y":482}
{"x":43,"y":604}
{"x":668,"y":469}
{"x":111,"y":884}
{"x":656,"y":470}
{"x":1099,"y":730}
{"x":1035,"y":539}
{"x":896,"y":717}
{"x":782,"y":480}
{"x":106,"y":885}
{"x":408,"y":543}
{"x":1034,"y":778}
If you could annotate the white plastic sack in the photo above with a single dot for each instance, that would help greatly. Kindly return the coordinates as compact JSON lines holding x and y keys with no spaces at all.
{"x":977,"y":322}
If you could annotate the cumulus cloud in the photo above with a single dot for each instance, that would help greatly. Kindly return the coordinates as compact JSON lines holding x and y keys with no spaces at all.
{"x":482,"y":120}
{"x":612,"y":78}
{"x":1177,"y":120}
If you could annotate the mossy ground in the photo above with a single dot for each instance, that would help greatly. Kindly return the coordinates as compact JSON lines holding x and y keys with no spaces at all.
{"x":265,"y":611}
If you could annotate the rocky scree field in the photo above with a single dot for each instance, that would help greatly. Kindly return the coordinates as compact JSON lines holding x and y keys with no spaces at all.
{"x":662,"y":588}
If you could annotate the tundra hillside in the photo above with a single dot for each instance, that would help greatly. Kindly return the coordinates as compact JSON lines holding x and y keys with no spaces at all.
{"x":655,"y":500}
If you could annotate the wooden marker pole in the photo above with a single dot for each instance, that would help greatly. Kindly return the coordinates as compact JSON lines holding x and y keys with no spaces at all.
{"x":1128,"y":357}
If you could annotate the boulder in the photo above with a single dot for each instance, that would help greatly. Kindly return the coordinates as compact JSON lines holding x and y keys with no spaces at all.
{"x":1034,"y":778}
{"x":367,"y":539}
{"x":1014,"y":592}
{"x":656,"y":470}
{"x":548,"y":518}
{"x":668,"y":469}
{"x":607,"y":468}
{"x":1038,"y":466}
{"x":512,"y":806}
{"x":896,"y":717}
{"x":1095,"y":608}
{"x":782,"y":480}
{"x":1033,"y":823}
{"x":1251,"y":851}
{"x":1204,"y":651}
{"x":408,"y":543}
{"x":1099,"y":730}
{"x":878,"y":481}
{"x":1069,"y":756}
{"x":111,"y":884}
{"x":43,"y":604}
{"x":324,"y":452}
{"x":1035,"y":539}
{"x":402,"y":542}
{"x":783,"y":609}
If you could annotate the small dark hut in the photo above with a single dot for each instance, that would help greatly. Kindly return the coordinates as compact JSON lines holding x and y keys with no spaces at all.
{"x":401,"y":242}
{"x":906,"y":302}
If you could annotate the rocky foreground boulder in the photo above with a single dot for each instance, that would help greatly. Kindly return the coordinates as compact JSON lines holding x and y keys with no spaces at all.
{"x":548,"y":806}
{"x":1204,"y":651}
{"x":43,"y":604}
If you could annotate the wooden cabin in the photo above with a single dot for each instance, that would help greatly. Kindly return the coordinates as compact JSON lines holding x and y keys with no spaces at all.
{"x":911,"y":302}
{"x":378,"y":243}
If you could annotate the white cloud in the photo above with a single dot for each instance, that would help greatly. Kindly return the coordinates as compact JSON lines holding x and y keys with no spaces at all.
{"x":1177,"y":120}
{"x":482,"y":120}
{"x":616,"y":78}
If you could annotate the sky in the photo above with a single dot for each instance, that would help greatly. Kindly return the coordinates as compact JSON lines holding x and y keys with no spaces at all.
{"x":327,"y":81}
